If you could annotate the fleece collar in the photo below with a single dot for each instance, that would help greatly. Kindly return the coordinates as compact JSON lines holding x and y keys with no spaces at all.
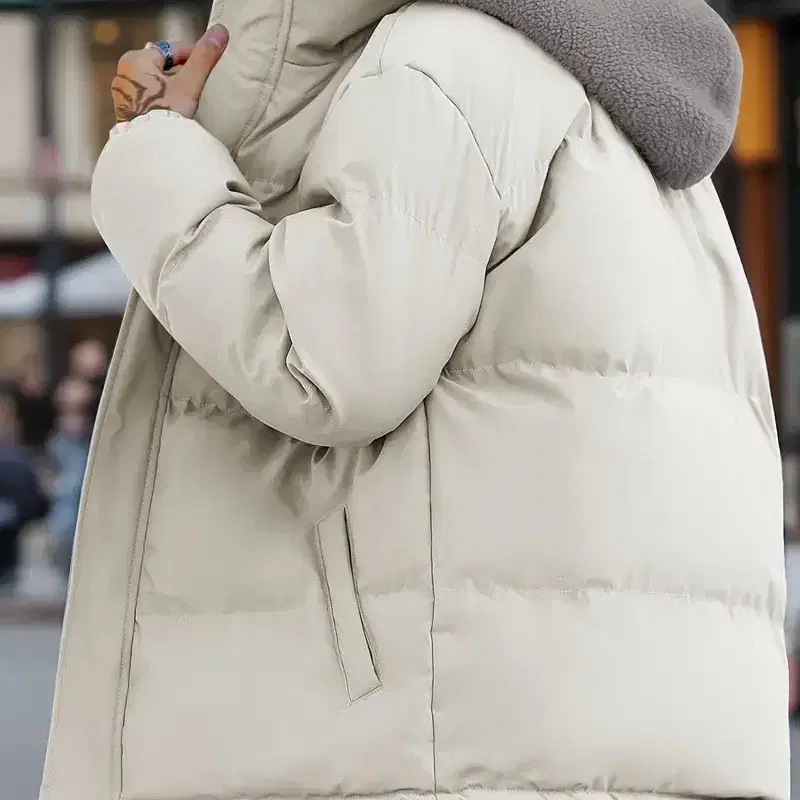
{"x":668,"y":72}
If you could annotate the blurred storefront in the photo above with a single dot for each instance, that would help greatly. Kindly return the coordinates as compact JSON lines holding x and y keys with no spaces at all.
{"x":84,"y":42}
{"x":760,"y":187}
{"x":764,"y":203}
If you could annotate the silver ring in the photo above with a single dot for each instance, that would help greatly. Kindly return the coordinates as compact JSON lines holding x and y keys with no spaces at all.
{"x":169,"y":56}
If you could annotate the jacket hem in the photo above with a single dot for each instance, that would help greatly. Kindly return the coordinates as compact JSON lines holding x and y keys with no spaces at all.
{"x":483,"y":794}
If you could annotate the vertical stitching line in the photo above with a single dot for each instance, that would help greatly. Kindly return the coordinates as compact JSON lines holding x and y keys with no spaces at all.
{"x":134,"y":578}
{"x":433,"y":601}
{"x":372,"y":648}
{"x":271,"y":79}
{"x":91,"y":467}
{"x":397,"y":14}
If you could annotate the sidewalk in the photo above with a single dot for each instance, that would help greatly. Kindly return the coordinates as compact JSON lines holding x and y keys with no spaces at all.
{"x":40,"y":594}
{"x":28,"y":657}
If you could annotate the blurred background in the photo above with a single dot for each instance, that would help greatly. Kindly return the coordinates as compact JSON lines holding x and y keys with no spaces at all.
{"x":62,"y":296}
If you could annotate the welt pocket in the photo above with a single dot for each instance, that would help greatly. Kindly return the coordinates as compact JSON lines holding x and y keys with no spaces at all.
{"x":350,"y":634}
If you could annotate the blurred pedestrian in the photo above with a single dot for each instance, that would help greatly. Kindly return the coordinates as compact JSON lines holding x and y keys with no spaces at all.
{"x":440,"y":459}
{"x":35,"y":407}
{"x":69,"y":451}
{"x":22,"y":499}
{"x":89,"y":362}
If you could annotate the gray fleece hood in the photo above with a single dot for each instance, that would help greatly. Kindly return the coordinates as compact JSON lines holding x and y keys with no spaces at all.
{"x":668,"y":72}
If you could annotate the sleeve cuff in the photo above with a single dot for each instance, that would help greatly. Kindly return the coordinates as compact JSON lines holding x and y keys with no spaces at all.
{"x":123,"y":127}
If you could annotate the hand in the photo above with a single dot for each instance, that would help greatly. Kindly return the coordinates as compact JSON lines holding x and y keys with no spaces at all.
{"x":141,"y":85}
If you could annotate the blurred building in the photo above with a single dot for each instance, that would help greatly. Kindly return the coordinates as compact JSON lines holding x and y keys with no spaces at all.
{"x":87,"y":40}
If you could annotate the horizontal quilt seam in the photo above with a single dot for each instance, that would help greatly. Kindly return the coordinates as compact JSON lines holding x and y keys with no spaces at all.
{"x":739,"y":604}
{"x":571,"y":369}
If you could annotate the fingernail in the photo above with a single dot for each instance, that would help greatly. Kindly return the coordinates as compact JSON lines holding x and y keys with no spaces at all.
{"x":218,"y":35}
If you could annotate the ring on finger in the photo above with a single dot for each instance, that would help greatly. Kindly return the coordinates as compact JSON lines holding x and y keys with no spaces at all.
{"x":166,"y":50}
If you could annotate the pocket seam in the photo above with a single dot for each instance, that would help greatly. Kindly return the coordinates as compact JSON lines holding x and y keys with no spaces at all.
{"x":329,"y":602}
{"x":372,"y":647}
{"x":365,"y":632}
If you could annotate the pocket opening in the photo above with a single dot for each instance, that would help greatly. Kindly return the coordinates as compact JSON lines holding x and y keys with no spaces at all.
{"x":353,"y":648}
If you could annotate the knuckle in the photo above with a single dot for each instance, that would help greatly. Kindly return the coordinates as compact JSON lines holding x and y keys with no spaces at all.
{"x":128,"y":58}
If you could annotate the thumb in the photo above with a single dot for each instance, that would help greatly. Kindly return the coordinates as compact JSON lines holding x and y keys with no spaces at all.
{"x":205,"y":56}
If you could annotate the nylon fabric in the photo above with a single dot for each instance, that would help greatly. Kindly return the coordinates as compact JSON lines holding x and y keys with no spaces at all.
{"x":437,"y":458}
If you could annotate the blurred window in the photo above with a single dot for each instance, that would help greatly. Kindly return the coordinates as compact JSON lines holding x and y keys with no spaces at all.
{"x":791,"y":108}
{"x":111,"y":37}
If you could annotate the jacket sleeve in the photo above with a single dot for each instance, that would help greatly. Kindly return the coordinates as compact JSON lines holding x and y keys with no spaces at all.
{"x":335,"y":324}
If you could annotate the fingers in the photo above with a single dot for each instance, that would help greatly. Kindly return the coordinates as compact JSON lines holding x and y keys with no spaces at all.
{"x":141,"y":85}
{"x":180,"y":54}
{"x":203,"y":58}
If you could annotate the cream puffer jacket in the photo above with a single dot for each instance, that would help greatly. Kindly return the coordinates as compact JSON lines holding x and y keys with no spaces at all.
{"x":438,"y":457}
